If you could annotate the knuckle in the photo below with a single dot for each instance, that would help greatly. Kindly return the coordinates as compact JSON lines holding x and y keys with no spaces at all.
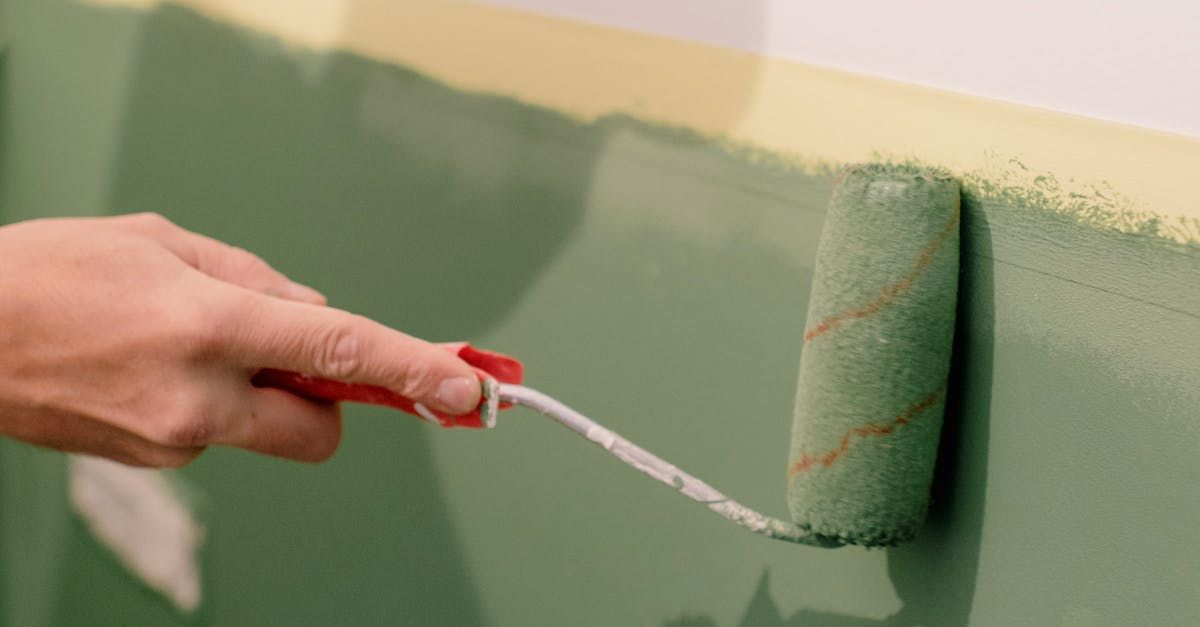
{"x":196,"y":334}
{"x":418,"y":378}
{"x":200,"y":327}
{"x":338,"y":353}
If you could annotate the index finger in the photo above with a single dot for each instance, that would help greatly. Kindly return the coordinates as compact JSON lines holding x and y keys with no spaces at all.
{"x":264,"y":332}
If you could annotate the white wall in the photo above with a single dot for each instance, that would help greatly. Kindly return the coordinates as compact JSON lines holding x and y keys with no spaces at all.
{"x":1132,"y":61}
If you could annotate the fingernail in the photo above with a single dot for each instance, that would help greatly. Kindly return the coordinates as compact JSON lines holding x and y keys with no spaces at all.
{"x":459,"y":395}
{"x":296,"y":291}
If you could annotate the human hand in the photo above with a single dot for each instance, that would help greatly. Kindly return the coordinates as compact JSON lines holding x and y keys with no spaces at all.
{"x":134,"y":339}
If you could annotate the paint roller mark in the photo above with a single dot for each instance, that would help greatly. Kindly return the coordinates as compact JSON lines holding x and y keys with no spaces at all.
{"x":827,"y":458}
{"x":891,"y":292}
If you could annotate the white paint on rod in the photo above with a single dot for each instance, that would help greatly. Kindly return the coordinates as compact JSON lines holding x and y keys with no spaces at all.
{"x":653,"y":466}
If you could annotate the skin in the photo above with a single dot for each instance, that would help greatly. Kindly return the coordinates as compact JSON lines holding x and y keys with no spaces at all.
{"x":133,"y":339}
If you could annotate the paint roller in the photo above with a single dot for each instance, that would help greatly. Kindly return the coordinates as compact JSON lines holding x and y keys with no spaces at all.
{"x":873,"y":371}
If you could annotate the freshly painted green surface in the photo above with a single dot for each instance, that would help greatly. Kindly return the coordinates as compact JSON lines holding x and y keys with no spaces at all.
{"x":649,"y":279}
{"x":880,"y":326}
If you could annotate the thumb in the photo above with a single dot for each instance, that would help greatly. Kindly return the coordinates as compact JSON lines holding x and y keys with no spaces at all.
{"x":264,"y":332}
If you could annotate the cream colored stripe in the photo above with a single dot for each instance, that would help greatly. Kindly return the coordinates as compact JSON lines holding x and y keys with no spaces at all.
{"x":814,"y":114}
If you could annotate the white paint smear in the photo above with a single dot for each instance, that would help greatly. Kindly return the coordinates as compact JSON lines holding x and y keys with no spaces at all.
{"x":136,"y":514}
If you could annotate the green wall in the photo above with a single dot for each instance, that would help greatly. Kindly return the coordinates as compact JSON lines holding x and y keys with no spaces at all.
{"x":647,"y":277}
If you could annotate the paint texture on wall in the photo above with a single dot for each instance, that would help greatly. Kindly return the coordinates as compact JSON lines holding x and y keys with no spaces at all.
{"x":585,"y":244}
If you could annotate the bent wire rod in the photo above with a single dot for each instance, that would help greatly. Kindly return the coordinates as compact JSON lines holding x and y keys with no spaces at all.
{"x":650,"y":464}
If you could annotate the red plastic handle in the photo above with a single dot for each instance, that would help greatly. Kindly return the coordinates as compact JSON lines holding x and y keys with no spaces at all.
{"x":487,"y":364}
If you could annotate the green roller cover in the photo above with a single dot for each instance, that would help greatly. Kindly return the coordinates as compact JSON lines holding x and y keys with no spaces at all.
{"x":872,"y":384}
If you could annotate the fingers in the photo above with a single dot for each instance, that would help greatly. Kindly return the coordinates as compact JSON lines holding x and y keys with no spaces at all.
{"x":281,"y":424}
{"x":69,"y":433}
{"x":243,"y":268}
{"x":220,"y":260}
{"x":260,"y":332}
{"x":227,"y":411}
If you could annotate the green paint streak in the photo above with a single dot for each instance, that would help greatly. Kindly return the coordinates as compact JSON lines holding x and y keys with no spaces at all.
{"x":1011,"y":183}
{"x":649,"y":277}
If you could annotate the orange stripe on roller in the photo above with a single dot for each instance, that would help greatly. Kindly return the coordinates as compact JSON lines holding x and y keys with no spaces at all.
{"x":889,"y":293}
{"x":808,"y":461}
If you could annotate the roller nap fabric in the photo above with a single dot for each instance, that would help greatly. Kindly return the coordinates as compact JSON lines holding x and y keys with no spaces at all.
{"x":872,"y":383}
